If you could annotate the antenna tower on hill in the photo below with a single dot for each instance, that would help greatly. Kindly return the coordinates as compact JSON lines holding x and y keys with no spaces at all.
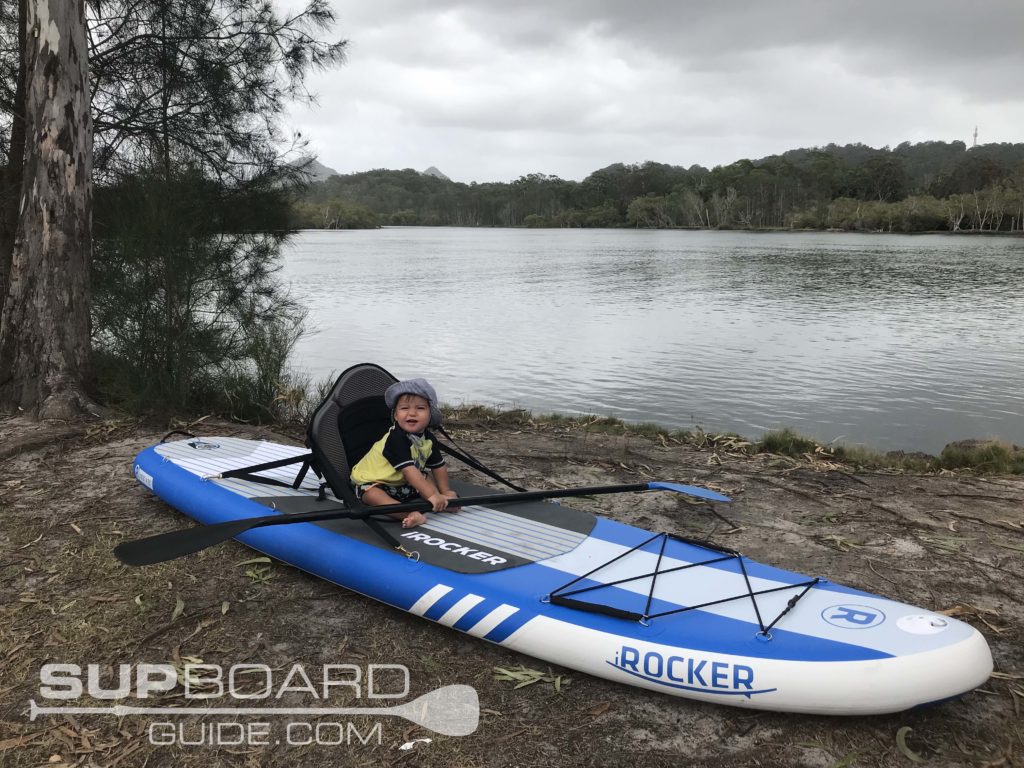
{"x":975,"y":136}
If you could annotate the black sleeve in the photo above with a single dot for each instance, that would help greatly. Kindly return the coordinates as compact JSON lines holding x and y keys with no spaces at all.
{"x":436,"y":458}
{"x":397,"y":449}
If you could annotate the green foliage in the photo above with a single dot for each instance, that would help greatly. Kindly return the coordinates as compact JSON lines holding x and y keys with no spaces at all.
{"x":333,"y":214}
{"x":202,"y":79}
{"x":403,"y":218}
{"x":193,"y":201}
{"x":920,"y":213}
{"x":990,"y":456}
{"x":187,"y":310}
{"x":983,"y":457}
{"x":931,"y":186}
{"x":786,"y":442}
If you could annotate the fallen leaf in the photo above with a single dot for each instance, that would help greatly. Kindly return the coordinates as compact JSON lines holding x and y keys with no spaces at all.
{"x":1006,"y":545}
{"x":411,"y":744}
{"x":253,"y":561}
{"x":901,"y":744}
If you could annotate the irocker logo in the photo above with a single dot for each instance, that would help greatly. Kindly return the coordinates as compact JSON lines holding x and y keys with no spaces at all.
{"x":853,"y":616}
{"x":455,"y":548}
{"x":688,"y":674}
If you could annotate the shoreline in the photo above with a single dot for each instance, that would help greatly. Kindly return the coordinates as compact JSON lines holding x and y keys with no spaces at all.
{"x":965,"y":453}
{"x":766,"y":230}
{"x":968,"y":453}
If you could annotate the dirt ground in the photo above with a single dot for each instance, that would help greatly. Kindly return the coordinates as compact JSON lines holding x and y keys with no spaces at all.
{"x":953,"y":543}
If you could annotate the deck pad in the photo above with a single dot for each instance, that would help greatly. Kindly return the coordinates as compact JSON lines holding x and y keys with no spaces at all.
{"x":473,"y":540}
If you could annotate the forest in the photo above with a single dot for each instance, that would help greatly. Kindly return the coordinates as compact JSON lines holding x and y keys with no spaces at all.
{"x":923,"y":187}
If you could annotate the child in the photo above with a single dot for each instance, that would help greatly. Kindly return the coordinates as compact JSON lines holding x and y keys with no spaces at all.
{"x":396,"y":468}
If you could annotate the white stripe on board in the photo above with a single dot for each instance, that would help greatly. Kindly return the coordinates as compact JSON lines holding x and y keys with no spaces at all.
{"x":491,"y":620}
{"x":460,"y":609}
{"x":432,"y":595}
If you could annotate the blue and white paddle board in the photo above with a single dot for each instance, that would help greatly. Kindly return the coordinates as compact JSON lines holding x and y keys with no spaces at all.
{"x":709,"y":626}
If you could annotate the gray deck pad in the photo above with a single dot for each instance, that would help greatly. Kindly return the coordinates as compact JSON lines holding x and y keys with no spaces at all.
{"x":475,"y":539}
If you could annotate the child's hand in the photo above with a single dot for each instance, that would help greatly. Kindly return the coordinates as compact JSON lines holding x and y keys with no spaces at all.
{"x":438,"y":502}
{"x":413,"y":519}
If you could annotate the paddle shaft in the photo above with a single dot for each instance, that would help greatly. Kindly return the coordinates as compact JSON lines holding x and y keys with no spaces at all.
{"x":424,"y":506}
{"x":173,"y":544}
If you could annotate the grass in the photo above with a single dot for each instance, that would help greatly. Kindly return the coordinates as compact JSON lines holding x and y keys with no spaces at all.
{"x":991,"y":456}
{"x":786,"y":442}
{"x":983,"y":457}
{"x":520,"y":417}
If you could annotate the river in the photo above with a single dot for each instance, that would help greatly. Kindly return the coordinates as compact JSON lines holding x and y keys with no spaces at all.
{"x":889,"y":341}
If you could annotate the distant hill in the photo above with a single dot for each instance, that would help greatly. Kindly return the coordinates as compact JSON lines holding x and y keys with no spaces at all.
{"x":317,"y":171}
{"x":432,"y":171}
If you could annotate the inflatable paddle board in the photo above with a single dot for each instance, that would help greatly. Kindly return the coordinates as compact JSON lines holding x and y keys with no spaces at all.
{"x":657,"y":611}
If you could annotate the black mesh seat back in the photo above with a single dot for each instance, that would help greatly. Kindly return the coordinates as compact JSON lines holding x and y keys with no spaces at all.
{"x":351,"y":418}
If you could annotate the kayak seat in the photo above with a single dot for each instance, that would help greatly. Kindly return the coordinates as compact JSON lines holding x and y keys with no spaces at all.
{"x":343,"y":428}
{"x":347,"y":423}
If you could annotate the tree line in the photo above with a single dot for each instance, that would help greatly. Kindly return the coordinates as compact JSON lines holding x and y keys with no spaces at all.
{"x":928,"y":186}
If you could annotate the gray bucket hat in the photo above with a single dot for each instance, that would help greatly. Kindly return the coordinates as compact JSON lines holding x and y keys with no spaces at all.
{"x":419,"y":387}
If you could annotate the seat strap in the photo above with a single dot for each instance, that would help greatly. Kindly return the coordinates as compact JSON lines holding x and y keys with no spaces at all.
{"x":248,"y":473}
{"x":377,"y":528}
{"x":469,"y":461}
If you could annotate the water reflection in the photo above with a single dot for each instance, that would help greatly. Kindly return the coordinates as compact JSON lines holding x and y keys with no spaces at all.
{"x":892,"y":341}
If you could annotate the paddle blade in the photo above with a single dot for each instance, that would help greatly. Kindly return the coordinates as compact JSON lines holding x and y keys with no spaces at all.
{"x":172,"y":544}
{"x":689,"y":490}
{"x":453,"y":710}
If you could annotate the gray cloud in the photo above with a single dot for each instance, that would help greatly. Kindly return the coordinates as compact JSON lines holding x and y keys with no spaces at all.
{"x":490,"y":90}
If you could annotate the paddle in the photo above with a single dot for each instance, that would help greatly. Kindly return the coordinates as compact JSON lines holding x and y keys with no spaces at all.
{"x":172,"y":544}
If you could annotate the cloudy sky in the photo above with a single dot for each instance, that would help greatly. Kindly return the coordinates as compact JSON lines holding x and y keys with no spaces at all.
{"x":491,"y":90}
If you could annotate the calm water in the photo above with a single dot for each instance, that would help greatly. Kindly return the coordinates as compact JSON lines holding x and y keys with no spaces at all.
{"x":890,"y":341}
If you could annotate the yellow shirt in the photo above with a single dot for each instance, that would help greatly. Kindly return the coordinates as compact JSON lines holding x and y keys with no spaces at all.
{"x":397,"y":449}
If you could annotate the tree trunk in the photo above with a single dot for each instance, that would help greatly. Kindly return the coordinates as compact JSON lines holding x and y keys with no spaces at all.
{"x":10,"y":178}
{"x":44,"y":325}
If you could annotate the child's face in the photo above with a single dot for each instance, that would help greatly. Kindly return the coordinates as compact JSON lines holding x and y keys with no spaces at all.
{"x":412,"y":413}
